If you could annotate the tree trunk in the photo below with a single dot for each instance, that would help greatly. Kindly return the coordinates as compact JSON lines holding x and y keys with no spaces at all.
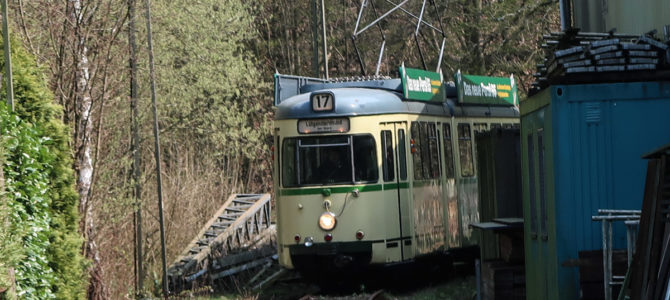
{"x":84,"y":165}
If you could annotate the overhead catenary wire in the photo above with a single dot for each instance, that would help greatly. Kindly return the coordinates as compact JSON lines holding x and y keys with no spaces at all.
{"x":418,"y":23}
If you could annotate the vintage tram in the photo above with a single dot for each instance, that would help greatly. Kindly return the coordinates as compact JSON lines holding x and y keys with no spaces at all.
{"x":375,"y":171}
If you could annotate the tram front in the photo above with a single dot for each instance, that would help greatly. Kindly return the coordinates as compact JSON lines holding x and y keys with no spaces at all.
{"x":332,"y":210}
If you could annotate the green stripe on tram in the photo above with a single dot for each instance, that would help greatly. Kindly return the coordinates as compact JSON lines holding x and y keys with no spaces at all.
{"x":428,"y":182}
{"x":394,"y":186}
{"x":390,"y":186}
{"x":342,"y":190}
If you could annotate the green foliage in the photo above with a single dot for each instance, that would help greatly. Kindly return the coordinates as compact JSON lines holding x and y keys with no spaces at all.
{"x":26,"y":183}
{"x":213,"y":108}
{"x":213,"y":92}
{"x":40,"y":187}
{"x":10,"y":247}
{"x":498,"y":37}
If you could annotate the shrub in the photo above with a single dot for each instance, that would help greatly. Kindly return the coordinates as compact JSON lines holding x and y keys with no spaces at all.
{"x":40,"y":187}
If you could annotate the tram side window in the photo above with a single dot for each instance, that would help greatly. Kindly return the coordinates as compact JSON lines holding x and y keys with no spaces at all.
{"x":402,"y":164}
{"x":465,"y":150}
{"x":426,"y":150}
{"x":289,"y":176}
{"x":479,"y":127}
{"x":448,"y":152}
{"x":365,"y":159}
{"x":387,"y":152}
{"x":277,"y":157}
{"x":425,"y":153}
{"x":434,"y":151}
{"x":416,"y":151}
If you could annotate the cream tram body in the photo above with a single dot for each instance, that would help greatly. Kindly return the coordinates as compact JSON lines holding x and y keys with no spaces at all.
{"x":406,"y":186}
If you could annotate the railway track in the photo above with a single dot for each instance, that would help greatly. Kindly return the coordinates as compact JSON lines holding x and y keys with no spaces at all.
{"x":236,"y":251}
{"x":378,"y":295}
{"x":238,"y":241}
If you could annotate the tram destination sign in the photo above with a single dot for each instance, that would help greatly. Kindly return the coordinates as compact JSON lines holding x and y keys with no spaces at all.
{"x":421,"y":85}
{"x":323,"y":125}
{"x":475,"y":89}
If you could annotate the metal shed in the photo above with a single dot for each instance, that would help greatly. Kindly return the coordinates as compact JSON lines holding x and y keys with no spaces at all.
{"x":581,"y":151}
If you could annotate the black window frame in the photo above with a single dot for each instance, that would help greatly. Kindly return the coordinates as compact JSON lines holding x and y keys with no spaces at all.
{"x":448,"y":151}
{"x":402,"y":155}
{"x":296,"y":164}
{"x":388,"y":173}
{"x":426,"y":156}
{"x":434,"y":149}
{"x":417,"y":166}
{"x":466,"y":145}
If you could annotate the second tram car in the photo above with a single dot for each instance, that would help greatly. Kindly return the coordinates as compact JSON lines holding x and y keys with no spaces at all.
{"x":364,"y":176}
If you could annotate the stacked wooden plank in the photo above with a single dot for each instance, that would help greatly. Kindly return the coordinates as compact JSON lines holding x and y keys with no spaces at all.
{"x":650,"y":270}
{"x":581,"y":57}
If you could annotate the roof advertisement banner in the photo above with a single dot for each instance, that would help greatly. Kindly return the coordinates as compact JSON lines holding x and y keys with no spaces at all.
{"x":421,"y":85}
{"x":474,"y":89}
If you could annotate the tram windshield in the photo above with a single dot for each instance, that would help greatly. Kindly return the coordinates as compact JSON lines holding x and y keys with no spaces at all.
{"x":327,"y":160}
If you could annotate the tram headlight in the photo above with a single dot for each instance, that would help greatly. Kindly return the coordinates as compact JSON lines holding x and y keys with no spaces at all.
{"x":327,"y":221}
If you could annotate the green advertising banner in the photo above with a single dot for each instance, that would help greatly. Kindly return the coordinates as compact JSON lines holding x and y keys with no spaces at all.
{"x":486,"y":90}
{"x":421,"y":85}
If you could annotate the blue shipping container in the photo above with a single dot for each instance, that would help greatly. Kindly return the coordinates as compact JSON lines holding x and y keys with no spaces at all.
{"x":581,"y":151}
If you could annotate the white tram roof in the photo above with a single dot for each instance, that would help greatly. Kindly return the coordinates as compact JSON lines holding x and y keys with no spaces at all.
{"x":369,"y":97}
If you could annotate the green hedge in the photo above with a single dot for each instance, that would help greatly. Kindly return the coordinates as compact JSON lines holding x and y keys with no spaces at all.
{"x":26,"y":184}
{"x":39,"y":185}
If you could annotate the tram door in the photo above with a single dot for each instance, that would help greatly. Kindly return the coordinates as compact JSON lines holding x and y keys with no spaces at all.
{"x":396,"y":191}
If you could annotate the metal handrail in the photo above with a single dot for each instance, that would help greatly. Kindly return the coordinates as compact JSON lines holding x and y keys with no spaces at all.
{"x":232,"y":230}
{"x":631,"y":220}
{"x":255,"y":219}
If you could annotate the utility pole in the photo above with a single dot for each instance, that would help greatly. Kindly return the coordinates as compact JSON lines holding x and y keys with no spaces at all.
{"x":315,"y":39}
{"x":325,"y":44}
{"x":8,"y":56}
{"x":135,"y":150}
{"x":157,"y":148}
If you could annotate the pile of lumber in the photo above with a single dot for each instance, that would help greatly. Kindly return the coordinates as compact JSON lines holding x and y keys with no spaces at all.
{"x":583,"y":57}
